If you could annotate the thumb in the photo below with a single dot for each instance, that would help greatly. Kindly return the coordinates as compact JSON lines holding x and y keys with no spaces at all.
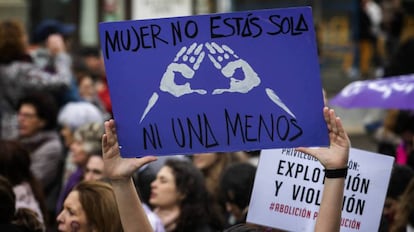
{"x":139,"y":162}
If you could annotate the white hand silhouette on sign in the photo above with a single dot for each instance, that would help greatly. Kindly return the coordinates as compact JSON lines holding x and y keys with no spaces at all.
{"x":182,"y":62}
{"x":231,"y":62}
{"x":187,"y":62}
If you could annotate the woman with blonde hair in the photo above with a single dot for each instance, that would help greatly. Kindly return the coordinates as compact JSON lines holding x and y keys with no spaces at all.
{"x":90,"y":206}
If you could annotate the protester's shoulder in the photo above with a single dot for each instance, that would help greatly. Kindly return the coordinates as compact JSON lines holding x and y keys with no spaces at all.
{"x":52,"y":139}
{"x":16,"y":68}
{"x":45,"y":140}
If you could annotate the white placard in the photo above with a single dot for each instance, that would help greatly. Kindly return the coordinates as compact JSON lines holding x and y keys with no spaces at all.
{"x":288,"y":188}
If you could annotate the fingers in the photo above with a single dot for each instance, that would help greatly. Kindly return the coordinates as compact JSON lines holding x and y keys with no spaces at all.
{"x":337,"y":134}
{"x":109,"y":139}
{"x":229,"y":50}
{"x":212,"y":54}
{"x":180,"y":53}
{"x":109,"y":130}
{"x":331,"y":120}
{"x":218,"y":54}
{"x":335,"y":124}
{"x":198,"y":52}
{"x":104,"y":142}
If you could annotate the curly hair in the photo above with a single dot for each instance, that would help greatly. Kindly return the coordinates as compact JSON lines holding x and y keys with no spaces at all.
{"x":194,"y":208}
{"x":12,"y":41}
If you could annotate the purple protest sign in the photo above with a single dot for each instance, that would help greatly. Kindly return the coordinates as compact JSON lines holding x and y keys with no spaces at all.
{"x":388,"y":93}
{"x":220,"y":82}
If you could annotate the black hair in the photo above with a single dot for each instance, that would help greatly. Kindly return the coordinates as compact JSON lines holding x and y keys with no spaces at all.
{"x":400,"y":177}
{"x":402,"y":62}
{"x":237,"y":183}
{"x":15,"y":166}
{"x":45,"y":105}
{"x":7,"y":201}
{"x":195,"y":207}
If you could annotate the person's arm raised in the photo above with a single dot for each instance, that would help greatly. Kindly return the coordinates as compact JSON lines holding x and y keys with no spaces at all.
{"x":120,"y":170}
{"x":335,"y":160}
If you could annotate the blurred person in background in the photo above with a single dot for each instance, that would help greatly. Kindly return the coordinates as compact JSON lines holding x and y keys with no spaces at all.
{"x":43,"y":52}
{"x":94,"y":168}
{"x":88,"y":92}
{"x":370,"y":32}
{"x":12,"y":219}
{"x":365,"y":36}
{"x":7,"y":206}
{"x":87,"y":141}
{"x":402,"y":62}
{"x":93,"y":60}
{"x":72,"y":116}
{"x":212,"y":165}
{"x":401,"y":175}
{"x":15,"y":167}
{"x":37,"y":119}
{"x":386,"y":137}
{"x":39,"y":51}
{"x":395,"y":128}
{"x":405,"y":129}
{"x":404,"y":215}
{"x":236,"y":187}
{"x":19,"y":75}
{"x":392,"y":25}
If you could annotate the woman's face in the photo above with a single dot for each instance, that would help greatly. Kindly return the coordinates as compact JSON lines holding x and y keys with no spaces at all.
{"x":73,"y":217}
{"x":94,"y":168}
{"x":67,"y":135}
{"x":164,"y":193}
{"x":86,"y":87}
{"x":79,"y":156}
{"x":204,"y":160}
{"x":29,"y":121}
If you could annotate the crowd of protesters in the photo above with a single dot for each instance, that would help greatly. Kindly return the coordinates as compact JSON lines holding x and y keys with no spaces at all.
{"x":54,"y":101}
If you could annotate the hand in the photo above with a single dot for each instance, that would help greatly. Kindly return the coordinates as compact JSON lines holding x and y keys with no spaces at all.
{"x":336,"y":155}
{"x":55,"y":44}
{"x":116,"y":167}
{"x":225,"y":60}
{"x":186,"y":65}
